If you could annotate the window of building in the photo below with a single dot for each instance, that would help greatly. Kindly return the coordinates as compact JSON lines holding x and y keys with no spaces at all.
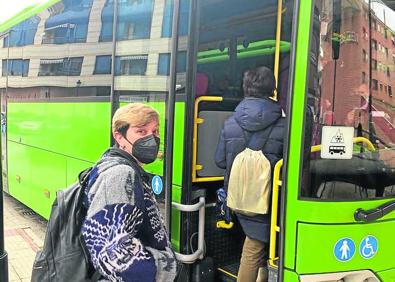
{"x":23,"y":33}
{"x":364,"y":80}
{"x":65,"y":33}
{"x":74,"y":66}
{"x":374,"y":64}
{"x":374,"y":24}
{"x":134,"y":20}
{"x":168,"y":17}
{"x":374,"y":44}
{"x":375,"y":84}
{"x":364,"y":55}
{"x":388,"y":72}
{"x":389,"y":91}
{"x":61,"y":67}
{"x":103,"y":65}
{"x":164,"y":63}
{"x":385,"y":89}
{"x":16,"y":67}
{"x":364,"y":33}
{"x":131,"y":65}
{"x":381,"y":87}
{"x":386,"y":51}
{"x":68,"y":22}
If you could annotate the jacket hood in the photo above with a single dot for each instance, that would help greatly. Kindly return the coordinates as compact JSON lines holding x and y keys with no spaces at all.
{"x":255,"y":114}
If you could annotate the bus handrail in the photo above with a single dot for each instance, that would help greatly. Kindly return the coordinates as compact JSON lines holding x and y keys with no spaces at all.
{"x":199,"y":253}
{"x":196,"y":122}
{"x":274,"y":216}
{"x":274,"y":227}
{"x":367,"y":142}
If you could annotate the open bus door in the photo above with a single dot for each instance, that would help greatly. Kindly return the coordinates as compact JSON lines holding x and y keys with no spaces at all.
{"x":226,"y":38}
{"x":337,"y":184}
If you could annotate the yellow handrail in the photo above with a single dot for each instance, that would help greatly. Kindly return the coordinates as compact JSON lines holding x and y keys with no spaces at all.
{"x":275,"y":196}
{"x":196,"y":121}
{"x":274,"y":216}
{"x":364,"y":140}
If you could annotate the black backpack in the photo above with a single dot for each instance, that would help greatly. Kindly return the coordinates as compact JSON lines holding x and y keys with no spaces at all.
{"x":64,"y":257}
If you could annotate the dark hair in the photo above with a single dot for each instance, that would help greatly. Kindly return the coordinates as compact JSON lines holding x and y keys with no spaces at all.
{"x":259,"y":82}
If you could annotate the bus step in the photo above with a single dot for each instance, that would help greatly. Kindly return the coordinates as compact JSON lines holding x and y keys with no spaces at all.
{"x":228,"y":273}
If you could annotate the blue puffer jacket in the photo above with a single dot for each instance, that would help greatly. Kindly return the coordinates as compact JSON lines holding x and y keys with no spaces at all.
{"x":257,"y":118}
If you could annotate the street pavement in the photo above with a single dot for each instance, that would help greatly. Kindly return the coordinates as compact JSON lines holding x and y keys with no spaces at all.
{"x":24,"y":233}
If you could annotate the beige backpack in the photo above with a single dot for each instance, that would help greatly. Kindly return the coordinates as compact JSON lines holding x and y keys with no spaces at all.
{"x":249,"y":183}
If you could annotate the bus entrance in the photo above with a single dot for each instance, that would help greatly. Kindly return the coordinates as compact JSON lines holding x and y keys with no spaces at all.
{"x":232,"y":37}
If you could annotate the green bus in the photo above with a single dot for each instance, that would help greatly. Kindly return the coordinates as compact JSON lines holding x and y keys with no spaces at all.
{"x":67,"y":65}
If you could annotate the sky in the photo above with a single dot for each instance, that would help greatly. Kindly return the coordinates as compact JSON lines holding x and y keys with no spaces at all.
{"x":9,"y":8}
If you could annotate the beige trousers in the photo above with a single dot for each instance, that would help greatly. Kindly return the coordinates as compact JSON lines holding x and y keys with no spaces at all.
{"x":253,"y":257}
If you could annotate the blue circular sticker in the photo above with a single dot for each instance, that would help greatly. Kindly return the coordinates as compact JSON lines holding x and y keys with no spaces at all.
{"x":157,"y":184}
{"x":368,"y":247}
{"x":344,"y":249}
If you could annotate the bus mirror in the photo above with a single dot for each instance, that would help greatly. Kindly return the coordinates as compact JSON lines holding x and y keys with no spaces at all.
{"x":336,"y":29}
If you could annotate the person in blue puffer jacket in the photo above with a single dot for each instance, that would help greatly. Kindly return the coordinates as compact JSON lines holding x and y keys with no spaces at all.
{"x":256,"y":114}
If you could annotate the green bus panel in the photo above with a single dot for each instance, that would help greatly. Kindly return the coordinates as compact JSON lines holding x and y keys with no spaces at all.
{"x":387,"y":275}
{"x":50,"y":143}
{"x":333,"y":212}
{"x":316,"y":243}
{"x":73,"y":168}
{"x":290,"y":276}
{"x":78,"y":130}
{"x":296,"y":129}
{"x":34,"y":176}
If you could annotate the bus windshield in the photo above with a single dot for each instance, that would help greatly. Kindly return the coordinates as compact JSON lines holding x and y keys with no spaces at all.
{"x":350,"y":87}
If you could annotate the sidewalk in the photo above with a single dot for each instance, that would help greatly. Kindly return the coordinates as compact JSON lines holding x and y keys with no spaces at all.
{"x":24,"y":233}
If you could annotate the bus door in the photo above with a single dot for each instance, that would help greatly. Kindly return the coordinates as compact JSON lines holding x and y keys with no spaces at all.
{"x":337,"y":216}
{"x":232,"y":37}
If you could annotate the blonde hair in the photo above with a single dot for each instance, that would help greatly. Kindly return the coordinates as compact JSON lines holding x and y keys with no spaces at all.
{"x":134,"y":114}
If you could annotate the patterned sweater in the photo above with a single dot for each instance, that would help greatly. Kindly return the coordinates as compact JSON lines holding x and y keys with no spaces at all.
{"x":124,"y":231}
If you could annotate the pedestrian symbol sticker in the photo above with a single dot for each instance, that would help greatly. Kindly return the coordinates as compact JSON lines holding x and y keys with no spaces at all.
{"x":344,"y":249}
{"x":368,"y":247}
{"x":157,"y":185}
{"x":337,"y":142}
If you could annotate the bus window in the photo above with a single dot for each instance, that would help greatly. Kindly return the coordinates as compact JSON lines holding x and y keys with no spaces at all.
{"x":242,"y":37}
{"x":341,"y":94}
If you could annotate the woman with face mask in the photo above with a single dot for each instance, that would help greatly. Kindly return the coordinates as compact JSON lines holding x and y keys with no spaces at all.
{"x":124,"y":231}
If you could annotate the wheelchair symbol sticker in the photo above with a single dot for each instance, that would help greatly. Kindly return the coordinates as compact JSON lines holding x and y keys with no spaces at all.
{"x":344,"y":249}
{"x":368,"y":247}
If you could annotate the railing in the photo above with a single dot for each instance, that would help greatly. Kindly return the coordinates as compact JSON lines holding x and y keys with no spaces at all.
{"x":196,"y":122}
{"x":199,"y":253}
{"x":63,"y":40}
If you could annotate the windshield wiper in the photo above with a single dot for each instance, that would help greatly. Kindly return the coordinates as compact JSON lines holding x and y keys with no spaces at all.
{"x":374,"y":214}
